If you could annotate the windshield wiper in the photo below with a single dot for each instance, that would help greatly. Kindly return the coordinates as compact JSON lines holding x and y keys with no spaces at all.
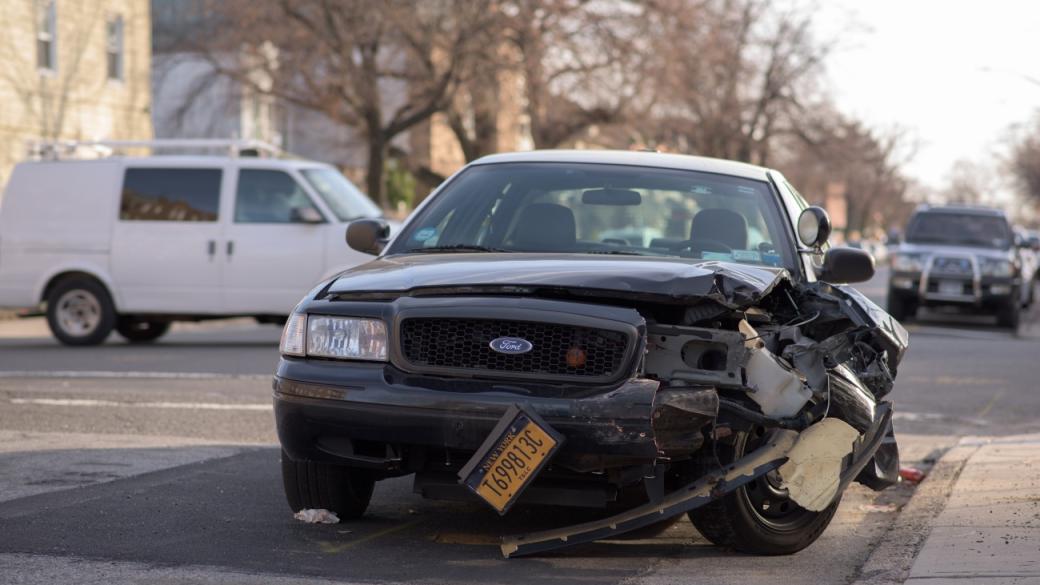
{"x":454,"y":248}
{"x":619,"y":252}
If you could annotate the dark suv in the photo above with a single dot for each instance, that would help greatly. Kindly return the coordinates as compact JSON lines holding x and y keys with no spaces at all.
{"x":963,"y":257}
{"x":649,"y":333}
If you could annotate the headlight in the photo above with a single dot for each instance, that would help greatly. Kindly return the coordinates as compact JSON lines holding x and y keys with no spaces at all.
{"x":907,"y":263}
{"x":346,"y":338}
{"x":995,"y":267}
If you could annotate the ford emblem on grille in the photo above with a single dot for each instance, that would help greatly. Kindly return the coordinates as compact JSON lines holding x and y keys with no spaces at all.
{"x":511,"y":345}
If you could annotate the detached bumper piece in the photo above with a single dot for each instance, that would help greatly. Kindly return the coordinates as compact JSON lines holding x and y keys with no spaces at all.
{"x":704,"y":490}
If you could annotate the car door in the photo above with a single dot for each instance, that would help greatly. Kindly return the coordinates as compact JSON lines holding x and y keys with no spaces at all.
{"x":274,"y":248}
{"x":164,"y":243}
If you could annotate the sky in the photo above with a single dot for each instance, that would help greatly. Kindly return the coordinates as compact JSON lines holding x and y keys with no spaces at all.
{"x":952,"y":74}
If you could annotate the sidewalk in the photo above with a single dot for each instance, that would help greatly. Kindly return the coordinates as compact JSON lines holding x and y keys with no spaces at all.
{"x":989,"y":530}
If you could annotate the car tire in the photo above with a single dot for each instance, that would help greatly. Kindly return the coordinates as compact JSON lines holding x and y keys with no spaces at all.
{"x":141,"y":331}
{"x":1009,"y":314}
{"x":900,"y":308}
{"x":341,"y":489}
{"x":758,"y":518}
{"x":80,"y":311}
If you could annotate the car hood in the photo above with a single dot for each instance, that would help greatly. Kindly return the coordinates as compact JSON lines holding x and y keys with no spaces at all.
{"x":662,"y":279}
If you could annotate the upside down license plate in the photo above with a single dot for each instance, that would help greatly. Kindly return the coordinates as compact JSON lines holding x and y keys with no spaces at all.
{"x":511,"y":457}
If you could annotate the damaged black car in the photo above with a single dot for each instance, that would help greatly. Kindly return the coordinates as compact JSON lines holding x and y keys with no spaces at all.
{"x":652,"y":334}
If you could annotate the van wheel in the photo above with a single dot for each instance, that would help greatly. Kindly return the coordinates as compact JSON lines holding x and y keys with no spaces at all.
{"x":341,"y":489}
{"x":80,"y":311}
{"x":140,"y":331}
{"x":758,"y":517}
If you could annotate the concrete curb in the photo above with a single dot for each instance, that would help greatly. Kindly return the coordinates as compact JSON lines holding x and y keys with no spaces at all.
{"x":891,"y":561}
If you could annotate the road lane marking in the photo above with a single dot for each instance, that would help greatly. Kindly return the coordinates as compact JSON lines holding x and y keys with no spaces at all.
{"x":935,"y":416}
{"x":989,"y":405}
{"x":134,"y":375}
{"x":84,"y":402}
{"x":338,"y":547}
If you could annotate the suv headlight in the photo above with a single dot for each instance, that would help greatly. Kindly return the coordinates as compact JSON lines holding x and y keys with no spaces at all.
{"x":995,"y":267}
{"x":907,"y":263}
{"x":346,"y":338}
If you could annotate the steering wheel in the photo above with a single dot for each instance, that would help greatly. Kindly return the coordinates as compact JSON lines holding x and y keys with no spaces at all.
{"x":703,"y":245}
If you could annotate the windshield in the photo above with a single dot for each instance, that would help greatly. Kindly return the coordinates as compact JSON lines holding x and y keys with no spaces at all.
{"x":985,"y":231}
{"x":342,"y":197}
{"x":602,"y":209}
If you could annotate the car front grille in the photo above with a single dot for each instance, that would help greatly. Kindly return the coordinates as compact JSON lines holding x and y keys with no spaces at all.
{"x":952,"y":266}
{"x":558,"y":352}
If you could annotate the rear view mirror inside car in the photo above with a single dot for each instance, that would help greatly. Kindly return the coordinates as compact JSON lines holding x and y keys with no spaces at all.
{"x":611,"y":197}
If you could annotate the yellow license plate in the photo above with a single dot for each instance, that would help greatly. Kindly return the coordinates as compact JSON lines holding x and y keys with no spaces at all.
{"x":510,"y":459}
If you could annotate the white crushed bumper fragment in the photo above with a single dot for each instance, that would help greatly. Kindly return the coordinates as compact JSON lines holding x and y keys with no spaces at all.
{"x":813,"y":471}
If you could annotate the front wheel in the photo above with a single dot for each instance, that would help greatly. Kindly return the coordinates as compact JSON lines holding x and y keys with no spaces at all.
{"x":759,"y":517}
{"x":340,"y":489}
{"x":80,"y":311}
{"x":138,"y":331}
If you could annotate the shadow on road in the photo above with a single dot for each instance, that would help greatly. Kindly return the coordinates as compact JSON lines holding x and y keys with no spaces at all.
{"x":231,"y":513}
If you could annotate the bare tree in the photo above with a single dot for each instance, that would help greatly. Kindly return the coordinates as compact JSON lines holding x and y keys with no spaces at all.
{"x":381,"y":67}
{"x":731,"y":76}
{"x":864,"y":165}
{"x":1024,"y":161}
{"x":574,"y":63}
{"x":969,"y":182}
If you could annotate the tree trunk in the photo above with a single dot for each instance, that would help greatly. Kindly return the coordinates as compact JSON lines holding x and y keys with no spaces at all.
{"x":377,"y":152}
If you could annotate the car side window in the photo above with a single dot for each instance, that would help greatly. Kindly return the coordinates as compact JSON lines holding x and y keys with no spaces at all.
{"x":266,"y":196}
{"x":164,"y":194}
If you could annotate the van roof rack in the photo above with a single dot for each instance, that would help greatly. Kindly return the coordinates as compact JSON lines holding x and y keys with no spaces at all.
{"x":63,"y":149}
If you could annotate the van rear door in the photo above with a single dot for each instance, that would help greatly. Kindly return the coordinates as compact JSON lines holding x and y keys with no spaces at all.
{"x":164,"y":244}
{"x":275,"y":243}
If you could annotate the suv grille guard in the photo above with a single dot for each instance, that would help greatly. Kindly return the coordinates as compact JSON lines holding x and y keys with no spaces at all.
{"x":931,"y":271}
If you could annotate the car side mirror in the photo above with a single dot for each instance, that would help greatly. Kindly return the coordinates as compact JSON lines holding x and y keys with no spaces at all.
{"x":368,"y":235}
{"x":814,"y":227}
{"x":846,"y":265}
{"x":305,"y":215}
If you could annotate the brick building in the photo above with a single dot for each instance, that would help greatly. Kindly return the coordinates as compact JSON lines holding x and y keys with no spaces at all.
{"x":73,"y":70}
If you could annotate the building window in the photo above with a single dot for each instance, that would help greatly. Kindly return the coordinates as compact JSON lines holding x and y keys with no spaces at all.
{"x":114,"y":47}
{"x":46,"y":35}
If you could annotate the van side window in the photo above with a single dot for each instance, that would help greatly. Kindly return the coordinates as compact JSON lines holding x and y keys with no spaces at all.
{"x":269,"y":197}
{"x":170,"y":195}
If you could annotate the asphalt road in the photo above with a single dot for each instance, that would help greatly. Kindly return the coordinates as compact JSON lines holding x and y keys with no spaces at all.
{"x":158,"y":463}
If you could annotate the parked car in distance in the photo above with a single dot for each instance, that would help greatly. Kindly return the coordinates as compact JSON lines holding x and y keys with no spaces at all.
{"x":1029,"y":252}
{"x":590,"y":328}
{"x":962,"y":257}
{"x":134,"y":243}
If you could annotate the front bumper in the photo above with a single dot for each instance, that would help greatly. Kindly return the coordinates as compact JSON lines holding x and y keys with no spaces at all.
{"x":968,"y":290}
{"x":374,"y":419}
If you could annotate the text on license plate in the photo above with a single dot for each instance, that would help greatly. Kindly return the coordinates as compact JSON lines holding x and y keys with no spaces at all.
{"x":514,"y":461}
{"x":951,"y":287}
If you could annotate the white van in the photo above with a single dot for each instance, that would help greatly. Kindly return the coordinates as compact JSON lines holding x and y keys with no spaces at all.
{"x":134,"y":243}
